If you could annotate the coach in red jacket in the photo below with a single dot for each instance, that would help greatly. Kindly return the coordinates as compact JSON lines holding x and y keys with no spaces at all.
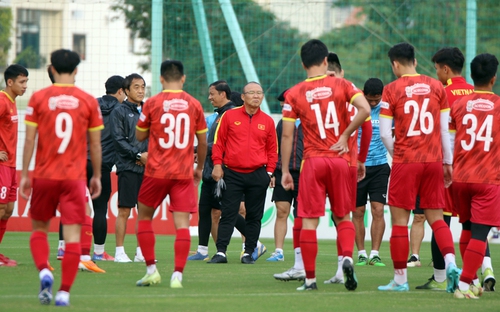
{"x":245,"y":155}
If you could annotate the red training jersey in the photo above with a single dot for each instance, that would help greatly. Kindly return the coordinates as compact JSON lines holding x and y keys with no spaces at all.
{"x":62,"y":114}
{"x":320,"y":103}
{"x":415,"y":102}
{"x":173,"y":117}
{"x":8,"y":129}
{"x":456,"y":88}
{"x":476,"y":120}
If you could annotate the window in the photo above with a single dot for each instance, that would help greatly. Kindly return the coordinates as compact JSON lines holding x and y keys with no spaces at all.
{"x":28,"y":38}
{"x":79,"y":45}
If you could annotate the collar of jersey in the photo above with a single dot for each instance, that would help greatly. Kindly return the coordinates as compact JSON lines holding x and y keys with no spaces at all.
{"x":410,"y":75}
{"x":64,"y":84}
{"x":316,"y":78}
{"x":3,"y":91}
{"x":483,"y":92}
{"x":172,"y":91}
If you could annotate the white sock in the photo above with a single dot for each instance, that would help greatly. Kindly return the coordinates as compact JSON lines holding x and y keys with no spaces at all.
{"x":61,"y":244}
{"x":373,"y":253}
{"x":486,"y":265}
{"x":98,"y":249}
{"x":299,"y":264}
{"x":362,"y":253}
{"x":449,"y":258}
{"x":138,"y":252}
{"x":45,"y":272}
{"x":416,"y":256}
{"x":463,"y":286}
{"x":243,"y":246}
{"x":85,"y":258}
{"x":278,"y":250}
{"x":203,"y":250}
{"x":151,"y":268}
{"x":400,"y":279}
{"x":439,"y":275}
{"x":178,"y":275}
{"x":309,"y":281}
{"x":221,"y":254}
{"x":259,"y":244}
{"x":476,"y":281}
{"x":119,"y":250}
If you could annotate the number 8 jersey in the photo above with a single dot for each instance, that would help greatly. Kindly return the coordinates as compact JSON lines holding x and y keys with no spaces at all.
{"x":415,"y":102}
{"x":62,"y":114}
{"x":173,"y":117}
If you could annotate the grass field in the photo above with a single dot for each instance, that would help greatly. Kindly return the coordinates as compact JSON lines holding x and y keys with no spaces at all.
{"x":226,"y":287}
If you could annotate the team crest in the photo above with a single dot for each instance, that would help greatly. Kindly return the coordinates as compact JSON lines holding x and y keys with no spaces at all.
{"x":418,"y":89}
{"x":175,"y":104}
{"x":479,"y":105}
{"x":237,"y":123}
{"x":63,"y":102}
{"x":261,"y":127}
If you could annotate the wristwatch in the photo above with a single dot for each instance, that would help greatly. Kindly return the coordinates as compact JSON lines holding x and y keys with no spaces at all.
{"x":138,"y":156}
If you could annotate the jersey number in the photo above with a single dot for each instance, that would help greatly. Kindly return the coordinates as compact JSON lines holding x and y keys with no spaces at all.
{"x":177,"y":129}
{"x":422,"y":116}
{"x":484,"y":133}
{"x":331,"y":120}
{"x":64,"y":129}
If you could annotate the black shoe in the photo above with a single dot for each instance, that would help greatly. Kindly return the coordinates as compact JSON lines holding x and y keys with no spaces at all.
{"x":247,"y":259}
{"x":218,"y":259}
{"x":351,"y":282}
{"x":305,"y":287}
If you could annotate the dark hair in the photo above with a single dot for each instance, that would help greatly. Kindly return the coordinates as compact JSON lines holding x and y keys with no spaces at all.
{"x":128,"y":80}
{"x":483,"y":67}
{"x":313,"y":53}
{"x":172,"y":70}
{"x":334,"y":62}
{"x":113,"y":84}
{"x":281,"y":97}
{"x":51,"y":75}
{"x":251,"y":82}
{"x":236,"y":98}
{"x":64,"y":61}
{"x":373,"y":86}
{"x":222,"y":86}
{"x":402,"y":52}
{"x":14,"y":71}
{"x":452,"y":57}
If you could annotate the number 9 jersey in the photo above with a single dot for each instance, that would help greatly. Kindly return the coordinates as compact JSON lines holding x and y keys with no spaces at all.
{"x":173,"y":117}
{"x":62,"y":114}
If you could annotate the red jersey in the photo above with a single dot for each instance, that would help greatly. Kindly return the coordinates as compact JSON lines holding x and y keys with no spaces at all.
{"x":173,"y":117}
{"x":320,"y":103}
{"x":354,"y":150}
{"x":62,"y":114}
{"x":8,"y":129}
{"x":415,"y":102}
{"x":456,"y":88}
{"x":476,"y":120}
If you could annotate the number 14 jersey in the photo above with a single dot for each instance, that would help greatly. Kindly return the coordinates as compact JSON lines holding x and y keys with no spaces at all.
{"x":415,"y":102}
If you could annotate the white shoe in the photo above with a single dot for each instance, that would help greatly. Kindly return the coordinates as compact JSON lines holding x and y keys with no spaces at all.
{"x":291,"y":275}
{"x":122,"y":258}
{"x":62,"y":298}
{"x":335,"y":280}
{"x":139,"y":258}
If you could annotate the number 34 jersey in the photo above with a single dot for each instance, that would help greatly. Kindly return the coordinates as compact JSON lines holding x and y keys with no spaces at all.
{"x":476,"y":120}
{"x":320,"y":103}
{"x":173,"y":117}
{"x":415,"y":102}
{"x":62,"y":114}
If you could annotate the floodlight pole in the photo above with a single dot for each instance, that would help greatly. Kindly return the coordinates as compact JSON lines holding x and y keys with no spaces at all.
{"x":156,"y":44}
{"x":204,"y":38}
{"x":241,"y":46}
{"x":470,"y":37}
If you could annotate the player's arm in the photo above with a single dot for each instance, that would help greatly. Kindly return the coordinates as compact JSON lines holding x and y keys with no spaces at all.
{"x":96,"y":159}
{"x":361,"y":104}
{"x":141,"y":134}
{"x":366,"y":137}
{"x":202,"y":154}
{"x":286,"y":152}
{"x":29,"y":147}
{"x":445,"y":137}
{"x":385,"y":125}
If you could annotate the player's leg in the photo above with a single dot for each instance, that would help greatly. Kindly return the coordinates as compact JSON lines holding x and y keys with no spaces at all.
{"x":378,"y":193}
{"x":282,"y":199}
{"x":86,"y":263}
{"x":126,"y":201}
{"x":417,"y":232}
{"x":358,"y":216}
{"x":8,"y":195}
{"x":489,"y":280}
{"x":204,"y":221}
{"x":100,"y":222}
{"x":216,"y":213}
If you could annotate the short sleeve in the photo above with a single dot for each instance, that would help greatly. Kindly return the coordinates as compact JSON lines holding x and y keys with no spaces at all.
{"x":289,"y":109}
{"x":31,"y":116}
{"x":144,"y":122}
{"x":96,"y":122}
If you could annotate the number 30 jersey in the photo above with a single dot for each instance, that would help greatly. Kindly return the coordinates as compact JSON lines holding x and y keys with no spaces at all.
{"x":320,"y":103}
{"x":476,"y":120}
{"x":415,"y":102}
{"x":62,"y":114}
{"x":173,"y":117}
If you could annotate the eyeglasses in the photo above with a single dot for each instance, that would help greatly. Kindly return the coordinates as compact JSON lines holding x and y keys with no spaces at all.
{"x":254,"y":92}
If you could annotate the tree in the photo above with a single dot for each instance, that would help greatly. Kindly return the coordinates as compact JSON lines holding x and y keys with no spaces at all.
{"x":272,"y":44}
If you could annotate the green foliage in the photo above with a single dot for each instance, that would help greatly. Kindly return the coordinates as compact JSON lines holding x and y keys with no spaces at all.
{"x":5,"y":32}
{"x":29,"y":58}
{"x":272,"y":44}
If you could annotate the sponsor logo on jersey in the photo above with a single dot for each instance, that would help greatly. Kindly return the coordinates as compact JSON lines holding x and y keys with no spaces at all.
{"x":480,"y":105}
{"x":63,"y":102}
{"x":14,"y":118}
{"x":318,"y":93}
{"x":175,"y":104}
{"x":418,"y":89}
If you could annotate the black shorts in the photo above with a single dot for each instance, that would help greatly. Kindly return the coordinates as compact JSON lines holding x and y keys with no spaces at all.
{"x":417,"y":209}
{"x":374,"y":184}
{"x":207,"y":196}
{"x":280,"y":194}
{"x":129,"y":184}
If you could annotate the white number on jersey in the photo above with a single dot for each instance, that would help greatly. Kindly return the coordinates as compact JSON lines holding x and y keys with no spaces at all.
{"x":421,"y":116}
{"x":484,"y":133}
{"x":3,"y":192}
{"x":331,"y":119}
{"x":177,"y":129}
{"x":64,"y":130}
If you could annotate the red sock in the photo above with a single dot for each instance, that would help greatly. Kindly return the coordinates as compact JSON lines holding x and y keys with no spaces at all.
{"x":3,"y":228}
{"x":86,"y":236}
{"x":39,"y":246}
{"x":345,"y":238}
{"x":146,"y":240}
{"x":309,"y":250}
{"x":473,"y":258}
{"x":399,"y":245}
{"x":464,"y":241}
{"x":69,"y":265}
{"x":443,"y":237}
{"x":181,"y":248}
{"x":297,"y":227}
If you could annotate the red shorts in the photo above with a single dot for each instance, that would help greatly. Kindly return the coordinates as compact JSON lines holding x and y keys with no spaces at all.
{"x":319,"y":177}
{"x":69,"y":194}
{"x":354,"y":185}
{"x":8,"y":184}
{"x":181,"y":192}
{"x":409,"y":180}
{"x":479,"y":203}
{"x":449,"y":209}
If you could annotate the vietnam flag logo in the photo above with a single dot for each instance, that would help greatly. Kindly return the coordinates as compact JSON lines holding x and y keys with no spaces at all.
{"x":261,"y":127}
